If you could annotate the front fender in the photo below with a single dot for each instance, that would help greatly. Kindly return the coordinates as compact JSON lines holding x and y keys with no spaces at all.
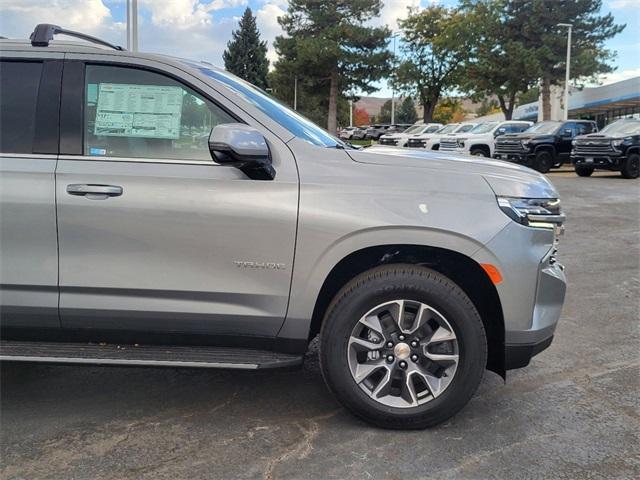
{"x":306,"y":285}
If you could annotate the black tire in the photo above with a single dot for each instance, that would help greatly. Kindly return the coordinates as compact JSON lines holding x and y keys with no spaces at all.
{"x":631,"y":167}
{"x":478,"y":152}
{"x":409,"y":282}
{"x":584,"y":171}
{"x":544,"y":161}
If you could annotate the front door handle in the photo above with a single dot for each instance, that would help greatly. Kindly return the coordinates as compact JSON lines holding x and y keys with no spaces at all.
{"x":94,"y":191}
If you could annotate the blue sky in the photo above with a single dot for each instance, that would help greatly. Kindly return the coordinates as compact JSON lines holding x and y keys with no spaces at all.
{"x":200,"y":29}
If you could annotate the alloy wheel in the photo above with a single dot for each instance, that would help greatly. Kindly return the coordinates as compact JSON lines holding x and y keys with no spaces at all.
{"x":403,"y":353}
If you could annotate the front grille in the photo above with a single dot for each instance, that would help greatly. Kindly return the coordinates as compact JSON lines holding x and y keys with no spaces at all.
{"x":389,"y":141}
{"x":446,"y":144}
{"x":417,"y":143}
{"x":593,"y":147}
{"x":507,"y":146}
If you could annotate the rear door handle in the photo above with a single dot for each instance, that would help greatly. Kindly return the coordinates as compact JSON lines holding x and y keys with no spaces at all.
{"x":102,"y":191}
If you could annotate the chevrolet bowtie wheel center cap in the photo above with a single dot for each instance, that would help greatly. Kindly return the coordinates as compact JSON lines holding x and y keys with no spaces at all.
{"x":402,"y":351}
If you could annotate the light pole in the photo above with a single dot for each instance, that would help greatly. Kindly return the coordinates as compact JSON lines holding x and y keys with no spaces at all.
{"x":393,"y":91}
{"x":351,"y":113}
{"x":569,"y":26}
{"x":132,"y":25}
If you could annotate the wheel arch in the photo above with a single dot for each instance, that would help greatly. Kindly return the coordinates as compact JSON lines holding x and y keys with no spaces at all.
{"x":460,"y":268}
{"x":481,"y":146}
{"x":546,"y":148}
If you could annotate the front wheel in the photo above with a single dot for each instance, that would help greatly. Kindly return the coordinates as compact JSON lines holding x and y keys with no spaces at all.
{"x":631,"y":168}
{"x":402,"y":346}
{"x":584,"y":171}
{"x":543,"y":162}
{"x":478,"y":152}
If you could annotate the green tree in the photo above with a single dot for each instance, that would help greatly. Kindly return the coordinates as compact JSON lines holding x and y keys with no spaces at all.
{"x":407,"y":111}
{"x":436,"y":45}
{"x":246,"y":54}
{"x":487,"y":107}
{"x":331,"y":49}
{"x":501,"y":64}
{"x":535,"y":22}
{"x":385,"y":113}
{"x":448,"y":110}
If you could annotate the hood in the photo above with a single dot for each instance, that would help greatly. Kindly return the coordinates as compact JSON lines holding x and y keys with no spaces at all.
{"x":504,"y":178}
{"x":525,"y":136}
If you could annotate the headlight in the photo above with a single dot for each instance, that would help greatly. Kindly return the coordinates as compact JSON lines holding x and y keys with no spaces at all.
{"x":525,"y":144}
{"x":573,"y":142}
{"x":618,"y":142}
{"x":533,"y":212}
{"x":461,"y":141}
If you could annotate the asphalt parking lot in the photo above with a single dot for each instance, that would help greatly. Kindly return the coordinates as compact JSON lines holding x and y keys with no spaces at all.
{"x":574,"y":413}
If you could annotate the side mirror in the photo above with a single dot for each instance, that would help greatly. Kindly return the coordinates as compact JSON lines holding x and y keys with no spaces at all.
{"x":567,"y":133}
{"x":500,"y":131}
{"x":242,"y":147}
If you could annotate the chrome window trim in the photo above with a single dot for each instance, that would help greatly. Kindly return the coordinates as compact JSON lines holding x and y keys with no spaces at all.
{"x":94,"y":158}
{"x":35,"y":156}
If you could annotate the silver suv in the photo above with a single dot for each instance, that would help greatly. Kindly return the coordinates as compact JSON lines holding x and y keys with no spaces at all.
{"x":160,"y":211}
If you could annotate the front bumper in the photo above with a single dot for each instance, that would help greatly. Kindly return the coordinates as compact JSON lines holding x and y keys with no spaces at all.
{"x":532,"y":291}
{"x":605,"y":162}
{"x":523,"y":158}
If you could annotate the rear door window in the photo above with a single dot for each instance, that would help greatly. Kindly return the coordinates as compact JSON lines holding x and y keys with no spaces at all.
{"x":19,"y":86}
{"x":136,"y":113}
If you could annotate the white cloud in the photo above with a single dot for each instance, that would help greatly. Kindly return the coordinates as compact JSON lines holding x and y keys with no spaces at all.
{"x":618,"y":76}
{"x":621,"y":4}
{"x":185,"y":14}
{"x":19,"y":17}
{"x":393,"y":10}
{"x":267,"y":21}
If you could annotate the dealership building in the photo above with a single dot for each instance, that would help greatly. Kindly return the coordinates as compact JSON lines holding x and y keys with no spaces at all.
{"x":603,"y":104}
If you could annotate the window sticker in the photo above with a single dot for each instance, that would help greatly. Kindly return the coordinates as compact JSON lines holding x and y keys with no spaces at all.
{"x":146,"y":111}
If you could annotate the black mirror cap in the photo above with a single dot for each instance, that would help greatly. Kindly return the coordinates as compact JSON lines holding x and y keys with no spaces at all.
{"x":243,"y":147}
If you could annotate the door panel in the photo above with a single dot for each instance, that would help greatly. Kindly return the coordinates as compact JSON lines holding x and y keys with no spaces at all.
{"x":160,"y":257}
{"x":28,"y":242}
{"x":29,"y":103}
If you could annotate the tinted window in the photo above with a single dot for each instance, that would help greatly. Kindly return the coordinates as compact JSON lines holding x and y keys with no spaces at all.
{"x":516,"y":127}
{"x":19,"y":83}
{"x":583,"y":128}
{"x":136,"y":113}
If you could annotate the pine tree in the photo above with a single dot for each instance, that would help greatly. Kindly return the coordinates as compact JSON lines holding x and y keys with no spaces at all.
{"x":246,"y":54}
{"x":331,"y":50}
{"x":535,"y":23}
{"x":407,"y":111}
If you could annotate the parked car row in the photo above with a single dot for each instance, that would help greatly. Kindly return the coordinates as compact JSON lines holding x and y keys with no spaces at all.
{"x":542,"y":146}
{"x":371,"y":132}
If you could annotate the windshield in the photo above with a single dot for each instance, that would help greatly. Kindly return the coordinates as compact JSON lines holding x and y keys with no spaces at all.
{"x":484,"y":127}
{"x":543,"y":127}
{"x":624,"y":127}
{"x":432,"y":129}
{"x":448,"y":128}
{"x":414,"y":129}
{"x":295,"y":123}
{"x":465,"y":128}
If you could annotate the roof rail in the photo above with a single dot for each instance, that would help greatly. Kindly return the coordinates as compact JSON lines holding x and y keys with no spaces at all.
{"x":44,"y":32}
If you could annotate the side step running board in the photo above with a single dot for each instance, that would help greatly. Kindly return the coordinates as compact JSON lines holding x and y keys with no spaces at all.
{"x":151,"y":355}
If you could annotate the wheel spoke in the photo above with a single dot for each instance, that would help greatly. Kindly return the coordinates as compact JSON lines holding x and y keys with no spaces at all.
{"x":397,"y":312}
{"x":384,"y":386}
{"x":361,"y":344}
{"x":441,"y":357}
{"x":409,"y":390}
{"x":441,"y":335}
{"x":372,"y":322}
{"x":364,"y":370}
